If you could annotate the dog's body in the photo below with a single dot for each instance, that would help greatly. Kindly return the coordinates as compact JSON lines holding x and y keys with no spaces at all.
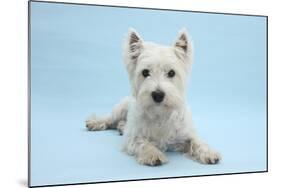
{"x":155,"y":118}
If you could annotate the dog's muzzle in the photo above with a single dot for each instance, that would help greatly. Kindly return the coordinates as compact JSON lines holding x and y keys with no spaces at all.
{"x":158,"y":96}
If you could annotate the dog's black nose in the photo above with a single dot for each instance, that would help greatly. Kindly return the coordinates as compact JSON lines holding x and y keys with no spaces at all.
{"x":158,"y":96}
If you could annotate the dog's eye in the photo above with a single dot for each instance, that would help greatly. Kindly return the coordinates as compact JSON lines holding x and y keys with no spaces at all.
{"x":145,"y":73}
{"x":171,"y":73}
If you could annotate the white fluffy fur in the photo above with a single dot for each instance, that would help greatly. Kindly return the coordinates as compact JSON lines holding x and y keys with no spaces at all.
{"x":151,"y":128}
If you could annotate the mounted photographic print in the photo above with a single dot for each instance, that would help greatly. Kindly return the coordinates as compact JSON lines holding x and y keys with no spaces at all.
{"x":122,"y":93}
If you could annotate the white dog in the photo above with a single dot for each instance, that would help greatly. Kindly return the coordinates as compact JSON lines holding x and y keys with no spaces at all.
{"x":155,"y":118}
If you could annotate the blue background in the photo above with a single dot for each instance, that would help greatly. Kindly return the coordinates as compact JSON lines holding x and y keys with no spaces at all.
{"x":77,"y":69}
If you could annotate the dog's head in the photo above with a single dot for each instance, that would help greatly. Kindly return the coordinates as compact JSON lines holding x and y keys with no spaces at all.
{"x":158,"y":73}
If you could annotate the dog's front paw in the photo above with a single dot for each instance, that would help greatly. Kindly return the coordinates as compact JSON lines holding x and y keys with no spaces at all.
{"x":209,"y":157}
{"x":201,"y":152}
{"x":152,"y":158}
{"x":95,"y":124}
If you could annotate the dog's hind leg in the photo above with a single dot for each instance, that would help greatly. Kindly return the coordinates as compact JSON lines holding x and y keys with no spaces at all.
{"x":115,"y":120}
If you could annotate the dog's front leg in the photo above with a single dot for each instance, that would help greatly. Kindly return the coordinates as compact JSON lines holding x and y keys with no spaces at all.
{"x":201,"y":152}
{"x":148,"y":154}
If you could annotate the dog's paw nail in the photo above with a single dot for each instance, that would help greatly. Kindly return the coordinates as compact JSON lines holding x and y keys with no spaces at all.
{"x":88,"y":127}
{"x":214,"y":160}
{"x":217,"y":160}
{"x":158,"y":162}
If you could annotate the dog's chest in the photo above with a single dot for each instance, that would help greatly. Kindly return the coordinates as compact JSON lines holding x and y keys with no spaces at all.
{"x":164,"y":132}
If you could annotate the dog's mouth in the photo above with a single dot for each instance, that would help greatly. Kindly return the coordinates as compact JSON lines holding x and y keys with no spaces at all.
{"x":156,"y":111}
{"x":157,"y":107}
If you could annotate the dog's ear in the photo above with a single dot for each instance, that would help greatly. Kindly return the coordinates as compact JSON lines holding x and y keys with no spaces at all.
{"x":134,"y":44}
{"x":183,"y":45}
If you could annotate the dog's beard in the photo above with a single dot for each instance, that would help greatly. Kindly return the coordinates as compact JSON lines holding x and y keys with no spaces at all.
{"x":172,"y":103}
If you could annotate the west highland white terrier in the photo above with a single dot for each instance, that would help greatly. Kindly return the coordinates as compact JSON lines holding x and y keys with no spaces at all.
{"x":155,"y":118}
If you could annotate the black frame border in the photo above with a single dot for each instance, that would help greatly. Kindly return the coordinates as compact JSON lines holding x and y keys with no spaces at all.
{"x":145,"y":8}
